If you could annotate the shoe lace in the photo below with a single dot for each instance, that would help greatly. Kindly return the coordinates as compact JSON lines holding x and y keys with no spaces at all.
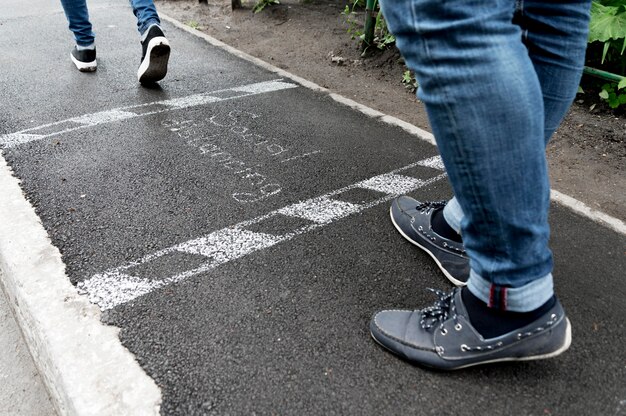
{"x":439,"y":312}
{"x":423,"y":206}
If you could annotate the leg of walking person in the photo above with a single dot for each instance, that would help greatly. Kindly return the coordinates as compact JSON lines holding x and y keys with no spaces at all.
{"x":556,"y":38}
{"x":84,"y":53}
{"x":485,"y":104}
{"x":146,"y":14}
{"x":155,"y":47}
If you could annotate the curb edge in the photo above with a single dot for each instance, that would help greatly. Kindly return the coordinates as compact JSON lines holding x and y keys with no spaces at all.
{"x":83,"y":364}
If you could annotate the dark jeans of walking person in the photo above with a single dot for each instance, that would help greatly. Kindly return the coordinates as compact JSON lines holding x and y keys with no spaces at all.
{"x":155,"y":47}
{"x":496,"y":77}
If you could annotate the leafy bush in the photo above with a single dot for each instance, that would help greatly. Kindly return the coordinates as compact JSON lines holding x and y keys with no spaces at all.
{"x":382,"y":37}
{"x":355,"y":28}
{"x":607,"y":44}
{"x":608,"y":26}
{"x":612,"y":95}
{"x":409,"y":81}
{"x":262,"y":4}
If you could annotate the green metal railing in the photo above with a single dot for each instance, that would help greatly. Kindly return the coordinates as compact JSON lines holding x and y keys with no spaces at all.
{"x":608,"y":76}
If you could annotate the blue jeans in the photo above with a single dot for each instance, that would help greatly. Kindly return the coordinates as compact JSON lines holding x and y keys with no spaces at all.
{"x":78,"y":18}
{"x":496,"y":77}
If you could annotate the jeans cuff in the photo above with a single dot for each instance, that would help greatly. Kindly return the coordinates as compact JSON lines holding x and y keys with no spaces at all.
{"x":519,"y":299}
{"x":453,"y":213}
{"x":146,"y":25}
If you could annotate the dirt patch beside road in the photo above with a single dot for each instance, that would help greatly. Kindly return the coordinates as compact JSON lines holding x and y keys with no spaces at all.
{"x":587,"y":155}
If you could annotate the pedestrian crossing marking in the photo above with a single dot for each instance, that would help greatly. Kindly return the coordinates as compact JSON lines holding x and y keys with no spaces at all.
{"x":118,"y":286}
{"x":32,"y":134}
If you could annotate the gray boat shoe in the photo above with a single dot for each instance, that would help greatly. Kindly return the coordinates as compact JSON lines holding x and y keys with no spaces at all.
{"x":442,"y":337}
{"x":412,"y":219}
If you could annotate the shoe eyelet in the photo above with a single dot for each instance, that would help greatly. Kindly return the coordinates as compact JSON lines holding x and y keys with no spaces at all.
{"x":464,"y":348}
{"x":444,"y":331}
{"x":458,"y":327}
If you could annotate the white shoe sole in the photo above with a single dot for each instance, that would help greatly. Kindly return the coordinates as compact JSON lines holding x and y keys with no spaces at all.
{"x":84,"y":66}
{"x":153,"y":68}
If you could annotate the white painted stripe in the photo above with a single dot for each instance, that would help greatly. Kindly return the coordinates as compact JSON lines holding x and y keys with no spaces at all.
{"x":434,"y":162}
{"x":86,"y":369}
{"x":103,"y":117}
{"x":585,"y":210}
{"x":235,"y":242}
{"x":320,"y":210}
{"x":262,"y":87}
{"x":228,"y":244}
{"x":123,"y":113}
{"x":14,"y":139}
{"x":190,"y":101}
{"x":391,"y":183}
{"x":119,"y":286}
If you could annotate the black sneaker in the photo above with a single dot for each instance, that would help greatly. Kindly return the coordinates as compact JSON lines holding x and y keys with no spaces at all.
{"x":156,"y":54}
{"x":442,"y":337}
{"x":412,"y":219}
{"x":84,"y":59}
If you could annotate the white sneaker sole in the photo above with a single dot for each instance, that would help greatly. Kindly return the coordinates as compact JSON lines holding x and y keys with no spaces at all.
{"x":153,"y":68}
{"x":84,"y":66}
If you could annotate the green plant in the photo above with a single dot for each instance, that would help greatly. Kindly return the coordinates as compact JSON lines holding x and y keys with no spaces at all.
{"x":193,"y":24}
{"x":383,"y":38}
{"x":612,"y":95}
{"x":608,"y":26}
{"x":409,"y":81}
{"x":262,"y":4}
{"x":354,"y":26}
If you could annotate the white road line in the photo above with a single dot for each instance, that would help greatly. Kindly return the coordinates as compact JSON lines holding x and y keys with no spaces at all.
{"x":124,"y":113}
{"x":225,"y":245}
{"x":585,"y":210}
{"x":102,"y":117}
{"x":391,"y":183}
{"x":434,"y":162}
{"x":118,"y":286}
{"x":321,"y":210}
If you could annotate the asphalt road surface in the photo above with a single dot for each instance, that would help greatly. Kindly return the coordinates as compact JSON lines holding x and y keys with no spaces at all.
{"x":234,"y":225}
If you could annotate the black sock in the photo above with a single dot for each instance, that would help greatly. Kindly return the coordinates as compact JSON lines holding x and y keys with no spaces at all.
{"x":491,"y":323}
{"x":440,"y":226}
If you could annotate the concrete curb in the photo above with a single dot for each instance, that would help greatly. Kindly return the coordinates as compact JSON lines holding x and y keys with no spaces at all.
{"x":575,"y":205}
{"x":82,"y":362}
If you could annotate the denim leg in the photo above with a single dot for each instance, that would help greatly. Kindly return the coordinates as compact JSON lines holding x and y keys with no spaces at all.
{"x":146,"y":14}
{"x":555,"y":34}
{"x":556,"y":39}
{"x":78,"y":17}
{"x":556,"y":43}
{"x":484,"y":103}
